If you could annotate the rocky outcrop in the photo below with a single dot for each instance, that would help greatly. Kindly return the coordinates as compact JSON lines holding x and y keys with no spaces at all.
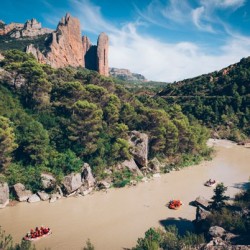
{"x":139,"y":148}
{"x":155,"y":165}
{"x":201,"y":214}
{"x":34,"y":198}
{"x":126,"y":75}
{"x":43,"y":196}
{"x":66,"y":47}
{"x":87,"y":176}
{"x":202,"y":202}
{"x":131,"y":165}
{"x":72,"y":182}
{"x":63,"y":47}
{"x":21,"y":193}
{"x":36,"y":53}
{"x":102,"y":54}
{"x":54,"y":197}
{"x":48,"y":181}
{"x":103,"y":185}
{"x":4,"y":195}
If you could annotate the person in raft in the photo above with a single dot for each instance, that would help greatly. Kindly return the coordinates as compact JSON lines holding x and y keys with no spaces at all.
{"x":38,"y":232}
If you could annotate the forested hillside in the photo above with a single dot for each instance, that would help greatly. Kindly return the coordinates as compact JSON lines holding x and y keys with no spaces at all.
{"x":221,"y":100}
{"x":53,"y":120}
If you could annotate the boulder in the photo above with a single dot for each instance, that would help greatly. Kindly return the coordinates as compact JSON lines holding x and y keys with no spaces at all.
{"x":216,"y":231}
{"x":87,"y":176}
{"x":132,"y":166}
{"x":202,"y":202}
{"x":201,"y":214}
{"x":54,"y":197}
{"x":72,"y":182}
{"x":43,"y":196}
{"x":103,"y":185}
{"x":155,"y":165}
{"x":85,"y":191}
{"x":139,"y":147}
{"x":4,"y":195}
{"x":34,"y":198}
{"x":21,"y":193}
{"x":48,"y":181}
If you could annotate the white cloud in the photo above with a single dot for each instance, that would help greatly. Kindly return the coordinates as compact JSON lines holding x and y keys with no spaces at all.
{"x":153,"y":58}
{"x":198,"y":15}
{"x":235,"y":4}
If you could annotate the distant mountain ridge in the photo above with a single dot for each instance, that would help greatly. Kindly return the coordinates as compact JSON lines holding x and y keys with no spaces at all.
{"x":126,"y":75}
{"x":60,"y":48}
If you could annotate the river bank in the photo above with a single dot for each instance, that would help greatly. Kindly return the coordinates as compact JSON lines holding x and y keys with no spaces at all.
{"x":115,"y":219}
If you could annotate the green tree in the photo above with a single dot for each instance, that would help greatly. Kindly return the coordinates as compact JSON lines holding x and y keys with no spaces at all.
{"x":219,"y":197}
{"x":7,"y":142}
{"x":86,"y":123}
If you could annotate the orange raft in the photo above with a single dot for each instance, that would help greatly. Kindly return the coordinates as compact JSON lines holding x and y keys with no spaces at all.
{"x":37,"y":234}
{"x":175,"y":204}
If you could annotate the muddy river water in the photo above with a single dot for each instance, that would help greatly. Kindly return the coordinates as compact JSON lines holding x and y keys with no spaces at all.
{"x":114,"y":220}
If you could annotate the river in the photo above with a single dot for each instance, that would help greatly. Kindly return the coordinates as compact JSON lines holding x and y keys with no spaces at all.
{"x":115,"y":219}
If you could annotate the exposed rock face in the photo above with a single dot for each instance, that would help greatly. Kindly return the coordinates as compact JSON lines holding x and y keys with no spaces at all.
{"x":126,"y":75}
{"x":72,"y":182}
{"x":102,"y":54}
{"x":202,"y":202}
{"x":4,"y":195}
{"x":155,"y":165}
{"x":36,"y":53}
{"x":87,"y":176}
{"x":66,"y":47}
{"x":34,"y":198}
{"x":201,"y":214}
{"x":48,"y":181}
{"x":131,"y":165}
{"x":139,"y":143}
{"x":103,"y":185}
{"x":21,"y":193}
{"x":43,"y":196}
{"x":31,"y":28}
{"x":216,"y":231}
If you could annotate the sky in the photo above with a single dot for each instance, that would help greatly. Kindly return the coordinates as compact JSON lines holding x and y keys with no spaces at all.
{"x":164,"y":40}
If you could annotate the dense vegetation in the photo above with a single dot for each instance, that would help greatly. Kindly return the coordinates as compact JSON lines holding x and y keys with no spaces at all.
{"x":53,"y":120}
{"x":221,"y":100}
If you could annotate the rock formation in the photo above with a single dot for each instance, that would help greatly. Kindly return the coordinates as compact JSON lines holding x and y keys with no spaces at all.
{"x":72,"y":182}
{"x":139,"y":144}
{"x":102,"y":54}
{"x":21,"y":193}
{"x":4,"y":195}
{"x":126,"y":75}
{"x":66,"y":47}
{"x":63,"y":47}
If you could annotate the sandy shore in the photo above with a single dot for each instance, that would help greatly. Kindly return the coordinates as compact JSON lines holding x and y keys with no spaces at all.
{"x":115,"y":219}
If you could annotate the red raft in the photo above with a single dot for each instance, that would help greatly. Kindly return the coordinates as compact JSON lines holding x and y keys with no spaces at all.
{"x":37,"y":234}
{"x":175,"y":204}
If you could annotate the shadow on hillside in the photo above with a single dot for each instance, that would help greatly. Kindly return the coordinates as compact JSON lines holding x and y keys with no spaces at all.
{"x":182,"y":224}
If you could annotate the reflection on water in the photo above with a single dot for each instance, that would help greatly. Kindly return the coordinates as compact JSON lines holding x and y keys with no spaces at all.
{"x":114,"y":220}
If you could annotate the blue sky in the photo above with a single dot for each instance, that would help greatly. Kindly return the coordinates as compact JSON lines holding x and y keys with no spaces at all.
{"x":165,"y":40}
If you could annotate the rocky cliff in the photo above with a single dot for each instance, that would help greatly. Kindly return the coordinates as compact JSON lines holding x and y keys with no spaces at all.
{"x":126,"y":75}
{"x":63,"y":47}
